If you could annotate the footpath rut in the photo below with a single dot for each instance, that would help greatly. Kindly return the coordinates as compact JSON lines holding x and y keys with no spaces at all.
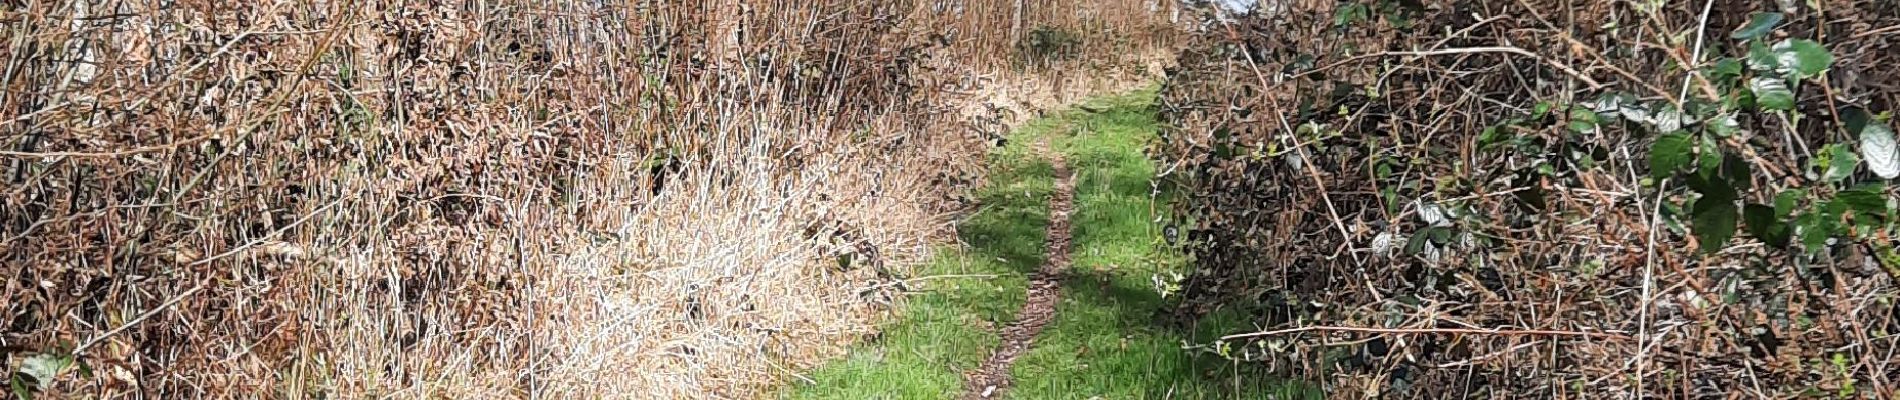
{"x":990,"y":379}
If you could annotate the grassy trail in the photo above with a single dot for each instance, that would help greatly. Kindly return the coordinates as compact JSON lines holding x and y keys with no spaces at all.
{"x":1106,"y":340}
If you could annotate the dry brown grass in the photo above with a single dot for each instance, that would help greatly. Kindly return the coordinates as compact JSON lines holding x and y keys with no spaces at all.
{"x":646,"y":199}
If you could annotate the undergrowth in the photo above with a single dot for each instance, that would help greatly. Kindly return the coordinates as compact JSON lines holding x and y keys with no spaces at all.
{"x":1547,"y":199}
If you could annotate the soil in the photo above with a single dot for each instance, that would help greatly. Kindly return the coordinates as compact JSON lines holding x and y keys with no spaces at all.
{"x":992,"y":378}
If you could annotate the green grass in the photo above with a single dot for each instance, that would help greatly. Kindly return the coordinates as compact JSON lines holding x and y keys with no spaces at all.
{"x":1107,"y":341}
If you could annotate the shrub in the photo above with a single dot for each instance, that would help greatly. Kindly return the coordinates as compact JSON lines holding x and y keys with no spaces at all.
{"x":1635,"y":198}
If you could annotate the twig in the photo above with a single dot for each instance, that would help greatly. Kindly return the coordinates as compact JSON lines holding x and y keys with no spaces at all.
{"x":245,"y":125}
{"x":135,"y":321}
{"x":1344,"y":234}
{"x":193,"y":68}
{"x":1649,"y":277}
{"x":1696,"y":57}
{"x":194,"y":290}
{"x":269,"y":236}
{"x":106,"y":154}
{"x":1533,"y":332}
{"x":1494,"y":354}
{"x":1649,"y":252}
{"x":1468,"y":50}
{"x":1626,"y":74}
{"x":1881,"y":31}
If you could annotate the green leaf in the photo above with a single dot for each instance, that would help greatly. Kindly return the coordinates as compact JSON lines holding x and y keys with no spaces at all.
{"x":1669,"y":119}
{"x":1758,"y":24}
{"x":1418,"y":241}
{"x":1669,"y":154}
{"x":1763,"y":224}
{"x":1817,"y":227}
{"x":1583,"y":120}
{"x":1349,"y":14}
{"x":1771,"y":93}
{"x":20,"y":389}
{"x":1760,"y":58}
{"x":1802,"y":58}
{"x":1786,"y":200}
{"x":1724,"y":125}
{"x":1713,"y":218}
{"x":1758,"y":219}
{"x":1711,"y":158}
{"x":1732,"y":99}
{"x":1700,"y":109}
{"x":1717,"y":189}
{"x":1581,"y":127}
{"x":1725,"y":69}
{"x":1672,"y":215}
{"x":1855,"y":118}
{"x":1866,"y":199}
{"x":1840,"y":163}
{"x":1738,"y":173}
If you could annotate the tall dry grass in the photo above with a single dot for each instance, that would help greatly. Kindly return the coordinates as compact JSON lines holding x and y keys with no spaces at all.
{"x":365,"y":199}
{"x":1435,"y":200}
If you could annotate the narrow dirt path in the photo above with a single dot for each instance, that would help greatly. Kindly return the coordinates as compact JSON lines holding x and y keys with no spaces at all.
{"x":990,"y":379}
{"x":1057,"y":280}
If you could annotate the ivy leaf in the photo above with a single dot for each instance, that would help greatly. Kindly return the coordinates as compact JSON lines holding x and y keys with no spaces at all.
{"x":1802,"y":58}
{"x":1877,"y":146}
{"x":1758,"y":24}
{"x":1771,"y":93}
{"x":1669,"y":154}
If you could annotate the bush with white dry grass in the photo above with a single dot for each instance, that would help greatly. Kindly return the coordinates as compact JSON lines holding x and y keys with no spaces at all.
{"x":648,"y":199}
